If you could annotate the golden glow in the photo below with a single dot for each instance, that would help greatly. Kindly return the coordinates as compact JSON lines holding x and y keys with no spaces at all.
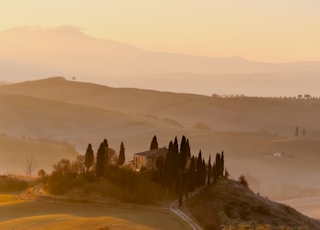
{"x":275,"y":31}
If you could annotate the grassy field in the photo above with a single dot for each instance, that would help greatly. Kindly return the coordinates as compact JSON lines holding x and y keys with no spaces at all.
{"x":40,"y":214}
{"x":61,"y":221}
{"x":9,"y":199}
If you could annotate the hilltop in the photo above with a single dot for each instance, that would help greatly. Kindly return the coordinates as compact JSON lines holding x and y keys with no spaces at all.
{"x":234,"y":205}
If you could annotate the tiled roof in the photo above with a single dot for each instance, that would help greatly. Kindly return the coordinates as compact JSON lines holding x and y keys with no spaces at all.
{"x":153,"y":153}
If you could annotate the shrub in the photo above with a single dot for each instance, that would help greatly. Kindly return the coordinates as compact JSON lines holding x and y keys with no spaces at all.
{"x":12,"y":184}
{"x":243,"y":181}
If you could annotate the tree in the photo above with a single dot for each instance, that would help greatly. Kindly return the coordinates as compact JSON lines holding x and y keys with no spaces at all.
{"x":106,"y":153}
{"x":304,"y":132}
{"x":121,"y":158}
{"x":42,"y":173}
{"x":30,"y":166}
{"x":191,"y":182}
{"x":209,"y":171}
{"x":89,"y":158}
{"x":183,"y":153}
{"x":218,"y":165}
{"x":154,"y":143}
{"x":199,"y":170}
{"x":222,"y":164}
{"x":100,"y":165}
{"x":297,"y":131}
{"x":78,"y":166}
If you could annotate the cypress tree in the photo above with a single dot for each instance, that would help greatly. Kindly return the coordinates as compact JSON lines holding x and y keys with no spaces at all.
{"x":203,"y":173}
{"x":218,"y":165}
{"x":209,"y":171}
{"x":191,"y":180}
{"x":222,"y":164}
{"x":106,"y":153}
{"x":183,"y":153}
{"x":154,"y":143}
{"x":188,"y":149}
{"x":100,"y":165}
{"x":121,"y":158}
{"x":169,"y":167}
{"x":89,"y":157}
{"x":176,"y":164}
{"x":199,"y":169}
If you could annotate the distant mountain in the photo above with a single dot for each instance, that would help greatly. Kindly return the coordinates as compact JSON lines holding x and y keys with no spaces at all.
{"x":33,"y":53}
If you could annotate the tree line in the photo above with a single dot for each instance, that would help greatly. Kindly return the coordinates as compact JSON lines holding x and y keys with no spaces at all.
{"x":178,"y":172}
{"x":183,"y":173}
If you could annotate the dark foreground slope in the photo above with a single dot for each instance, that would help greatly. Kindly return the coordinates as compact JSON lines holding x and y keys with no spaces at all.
{"x":235,"y":206}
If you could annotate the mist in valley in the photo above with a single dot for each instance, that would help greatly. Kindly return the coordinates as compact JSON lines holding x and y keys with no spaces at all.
{"x":110,"y":125}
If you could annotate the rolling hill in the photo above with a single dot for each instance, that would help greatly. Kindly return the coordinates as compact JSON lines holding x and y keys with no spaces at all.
{"x":249,"y":130}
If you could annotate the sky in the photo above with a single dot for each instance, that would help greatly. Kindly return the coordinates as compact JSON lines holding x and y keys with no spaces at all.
{"x":259,"y":30}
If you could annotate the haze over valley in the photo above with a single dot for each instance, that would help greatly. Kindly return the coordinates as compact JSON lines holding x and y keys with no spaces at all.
{"x":65,"y":113}
{"x":159,"y":115}
{"x":66,"y":51}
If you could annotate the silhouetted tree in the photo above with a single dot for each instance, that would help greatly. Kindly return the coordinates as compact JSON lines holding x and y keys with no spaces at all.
{"x":183,"y":153}
{"x":222,"y":164}
{"x":154,"y":143}
{"x":101,"y":162}
{"x":191,"y":182}
{"x":106,"y":154}
{"x":169,"y":167}
{"x":243,"y":181}
{"x":199,"y":170}
{"x":209,"y":171}
{"x":203,"y":173}
{"x":30,"y":166}
{"x":89,"y":157}
{"x":42,"y":173}
{"x":160,"y":167}
{"x":218,"y":165}
{"x":176,"y":163}
{"x":121,"y":158}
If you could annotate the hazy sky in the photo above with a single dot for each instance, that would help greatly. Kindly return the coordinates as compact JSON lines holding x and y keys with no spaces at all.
{"x":264,"y":30}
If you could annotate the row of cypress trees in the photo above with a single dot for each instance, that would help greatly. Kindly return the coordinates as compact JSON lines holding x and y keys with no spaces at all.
{"x":103,"y":158}
{"x":184,"y":173}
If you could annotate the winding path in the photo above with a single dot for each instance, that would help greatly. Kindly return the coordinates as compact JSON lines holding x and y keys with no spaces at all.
{"x":175,"y":209}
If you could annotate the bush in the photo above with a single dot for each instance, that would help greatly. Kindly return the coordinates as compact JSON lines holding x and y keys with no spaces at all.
{"x":60,"y":183}
{"x":12,"y":184}
{"x":243,"y":181}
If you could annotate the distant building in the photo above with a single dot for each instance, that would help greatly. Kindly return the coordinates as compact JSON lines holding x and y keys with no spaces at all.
{"x":148,"y":159}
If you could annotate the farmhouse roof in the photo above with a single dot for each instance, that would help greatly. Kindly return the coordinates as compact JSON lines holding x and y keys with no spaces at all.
{"x":153,"y":153}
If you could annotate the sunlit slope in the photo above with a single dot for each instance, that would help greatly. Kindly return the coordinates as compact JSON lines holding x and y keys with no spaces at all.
{"x":9,"y":199}
{"x":78,"y":124}
{"x":276,"y":116}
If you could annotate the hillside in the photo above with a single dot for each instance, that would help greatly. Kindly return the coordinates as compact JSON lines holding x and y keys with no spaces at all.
{"x":273,"y":115}
{"x":231,"y":203}
{"x":249,"y":129}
